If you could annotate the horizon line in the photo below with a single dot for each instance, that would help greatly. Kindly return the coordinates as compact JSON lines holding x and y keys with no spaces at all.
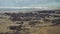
{"x":23,"y":7}
{"x":44,"y":7}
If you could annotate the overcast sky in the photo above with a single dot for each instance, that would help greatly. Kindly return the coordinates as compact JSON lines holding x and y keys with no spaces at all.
{"x":25,"y":3}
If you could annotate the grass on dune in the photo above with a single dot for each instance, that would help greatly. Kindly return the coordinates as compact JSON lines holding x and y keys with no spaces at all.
{"x":46,"y":30}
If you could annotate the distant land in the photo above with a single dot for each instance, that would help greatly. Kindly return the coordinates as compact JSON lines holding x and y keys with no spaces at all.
{"x":26,"y":9}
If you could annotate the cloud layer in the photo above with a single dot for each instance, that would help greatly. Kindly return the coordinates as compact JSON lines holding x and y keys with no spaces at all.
{"x":22,"y":3}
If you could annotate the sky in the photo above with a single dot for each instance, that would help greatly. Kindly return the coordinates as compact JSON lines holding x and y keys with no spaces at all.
{"x":29,"y":3}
